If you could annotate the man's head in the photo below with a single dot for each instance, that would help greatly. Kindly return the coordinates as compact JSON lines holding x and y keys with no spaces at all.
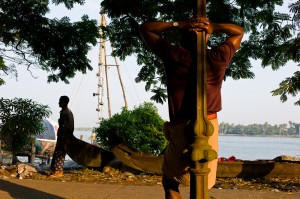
{"x":63,"y":101}
{"x":188,"y":39}
{"x":188,"y":36}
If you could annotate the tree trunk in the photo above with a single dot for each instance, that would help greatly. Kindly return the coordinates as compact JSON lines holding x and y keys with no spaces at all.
{"x":14,"y":152}
{"x":33,"y":150}
{"x":0,"y":153}
{"x":14,"y":158}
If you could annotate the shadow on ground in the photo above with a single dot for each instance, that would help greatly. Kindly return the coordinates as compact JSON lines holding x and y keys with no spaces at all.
{"x":18,"y":191}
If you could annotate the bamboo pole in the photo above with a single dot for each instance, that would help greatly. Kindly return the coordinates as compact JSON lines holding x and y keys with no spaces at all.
{"x":201,"y":150}
{"x":121,"y":82}
{"x":103,"y":68}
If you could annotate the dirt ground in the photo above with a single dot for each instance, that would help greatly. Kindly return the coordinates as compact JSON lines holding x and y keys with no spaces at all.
{"x":128,"y":176}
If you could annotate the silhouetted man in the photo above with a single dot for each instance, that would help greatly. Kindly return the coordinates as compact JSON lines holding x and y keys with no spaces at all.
{"x":66,"y":125}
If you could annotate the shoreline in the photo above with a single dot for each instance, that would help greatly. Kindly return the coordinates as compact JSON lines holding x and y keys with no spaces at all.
{"x":90,"y":130}
{"x":274,"y":136}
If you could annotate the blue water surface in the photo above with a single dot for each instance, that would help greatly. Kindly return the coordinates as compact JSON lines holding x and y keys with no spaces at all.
{"x":253,"y":148}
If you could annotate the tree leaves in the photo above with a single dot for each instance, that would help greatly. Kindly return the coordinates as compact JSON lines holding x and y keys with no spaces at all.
{"x":68,"y":3}
{"x":60,"y":47}
{"x":19,"y":120}
{"x":140,"y":128}
{"x":290,"y":86}
{"x":269,"y":34}
{"x":54,"y":45}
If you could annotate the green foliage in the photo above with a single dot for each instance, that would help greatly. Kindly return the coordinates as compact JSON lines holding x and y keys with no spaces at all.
{"x":20,"y":119}
{"x":54,"y":45}
{"x":291,"y":129}
{"x":270,"y":35}
{"x":291,"y":86}
{"x":140,"y":128}
{"x":6,"y":70}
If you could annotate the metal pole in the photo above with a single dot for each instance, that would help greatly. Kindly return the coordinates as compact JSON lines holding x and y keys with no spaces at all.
{"x":201,"y":150}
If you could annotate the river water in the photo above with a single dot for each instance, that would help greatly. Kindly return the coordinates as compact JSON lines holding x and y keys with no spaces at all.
{"x":245,"y":148}
{"x":253,"y":148}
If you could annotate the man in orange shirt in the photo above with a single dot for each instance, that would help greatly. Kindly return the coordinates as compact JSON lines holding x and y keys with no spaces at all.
{"x":180,"y":67}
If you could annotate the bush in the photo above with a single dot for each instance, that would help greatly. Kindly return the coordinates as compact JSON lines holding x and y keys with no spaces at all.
{"x":140,"y":129}
{"x":20,"y":120}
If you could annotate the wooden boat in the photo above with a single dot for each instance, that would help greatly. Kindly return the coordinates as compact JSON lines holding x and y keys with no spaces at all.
{"x":81,"y":152}
{"x":145,"y":162}
{"x":84,"y":153}
{"x":259,"y":168}
{"x":241,"y":169}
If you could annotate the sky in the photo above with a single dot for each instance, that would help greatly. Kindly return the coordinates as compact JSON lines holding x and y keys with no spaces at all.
{"x":244,"y":101}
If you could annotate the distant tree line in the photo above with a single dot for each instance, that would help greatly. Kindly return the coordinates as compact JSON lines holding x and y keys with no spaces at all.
{"x":290,"y":129}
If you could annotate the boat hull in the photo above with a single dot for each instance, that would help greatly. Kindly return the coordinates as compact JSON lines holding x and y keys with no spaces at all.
{"x":241,"y":169}
{"x":258,"y":169}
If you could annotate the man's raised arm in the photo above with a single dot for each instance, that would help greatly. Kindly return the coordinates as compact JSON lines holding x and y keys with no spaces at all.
{"x":151,"y":31}
{"x":234,"y":32}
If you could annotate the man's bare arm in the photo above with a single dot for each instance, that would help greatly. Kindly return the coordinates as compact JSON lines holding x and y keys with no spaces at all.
{"x":151,"y":31}
{"x":234,"y":32}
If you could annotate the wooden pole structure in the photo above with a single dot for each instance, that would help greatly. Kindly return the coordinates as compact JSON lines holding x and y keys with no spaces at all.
{"x":103,"y":67}
{"x":201,"y":150}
